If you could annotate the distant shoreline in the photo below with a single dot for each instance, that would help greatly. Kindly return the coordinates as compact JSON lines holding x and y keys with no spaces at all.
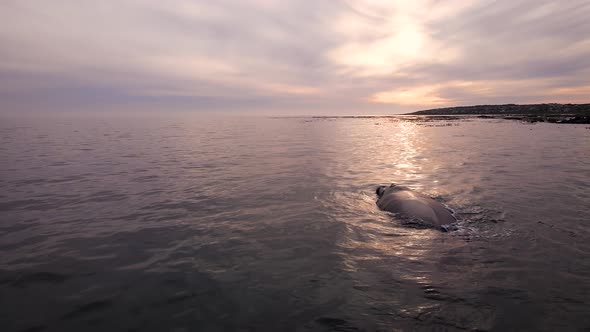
{"x":553,"y":113}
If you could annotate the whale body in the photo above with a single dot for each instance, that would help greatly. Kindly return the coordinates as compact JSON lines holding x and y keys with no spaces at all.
{"x":413,"y":205}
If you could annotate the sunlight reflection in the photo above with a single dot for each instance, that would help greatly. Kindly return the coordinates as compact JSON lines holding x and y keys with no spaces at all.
{"x":407,"y":169}
{"x":374,"y":239}
{"x":408,"y":243}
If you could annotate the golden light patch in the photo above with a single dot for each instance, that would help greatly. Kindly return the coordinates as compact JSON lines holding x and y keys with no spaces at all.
{"x":387,"y":37}
{"x":424,"y":95}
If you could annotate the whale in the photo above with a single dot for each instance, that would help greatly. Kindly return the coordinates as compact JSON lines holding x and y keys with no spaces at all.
{"x":422,"y":210}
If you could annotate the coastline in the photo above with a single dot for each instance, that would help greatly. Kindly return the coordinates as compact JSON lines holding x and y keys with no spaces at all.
{"x":551,"y":113}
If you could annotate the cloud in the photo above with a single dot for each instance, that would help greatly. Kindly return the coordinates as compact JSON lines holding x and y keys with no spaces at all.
{"x":336,"y":56}
{"x":428,"y":95}
{"x":387,"y":36}
{"x":484,"y":92}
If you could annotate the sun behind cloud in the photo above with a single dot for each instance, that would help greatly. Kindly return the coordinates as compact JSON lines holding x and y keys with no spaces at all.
{"x":383,"y":38}
{"x":420,"y":96}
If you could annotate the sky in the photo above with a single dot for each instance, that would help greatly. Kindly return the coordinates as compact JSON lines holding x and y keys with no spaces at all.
{"x":290,"y":56}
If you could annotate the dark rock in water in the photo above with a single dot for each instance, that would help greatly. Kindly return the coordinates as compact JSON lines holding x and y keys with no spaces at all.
{"x":576,"y":119}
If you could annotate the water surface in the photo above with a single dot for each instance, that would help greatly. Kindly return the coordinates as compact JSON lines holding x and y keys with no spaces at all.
{"x":270,"y":224}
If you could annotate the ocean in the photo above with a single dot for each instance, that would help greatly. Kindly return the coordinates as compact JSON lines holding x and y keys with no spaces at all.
{"x":228,"y":223}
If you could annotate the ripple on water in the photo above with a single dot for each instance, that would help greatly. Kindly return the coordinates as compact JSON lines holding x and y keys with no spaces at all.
{"x":271,"y":224}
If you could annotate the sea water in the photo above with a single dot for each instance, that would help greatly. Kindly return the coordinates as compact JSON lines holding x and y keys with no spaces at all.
{"x":194,"y":223}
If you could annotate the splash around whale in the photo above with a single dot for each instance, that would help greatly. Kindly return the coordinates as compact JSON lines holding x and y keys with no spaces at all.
{"x":415,"y":206}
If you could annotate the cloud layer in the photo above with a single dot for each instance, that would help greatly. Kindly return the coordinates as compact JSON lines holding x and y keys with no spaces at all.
{"x":288,"y":57}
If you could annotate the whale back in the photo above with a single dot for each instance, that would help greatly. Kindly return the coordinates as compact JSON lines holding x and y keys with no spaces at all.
{"x":411,"y":204}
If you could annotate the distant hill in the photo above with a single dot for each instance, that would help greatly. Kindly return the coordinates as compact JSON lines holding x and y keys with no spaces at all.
{"x":511,"y":109}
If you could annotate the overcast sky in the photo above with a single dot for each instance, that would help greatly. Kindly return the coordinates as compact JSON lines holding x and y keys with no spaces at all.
{"x":291,"y":56}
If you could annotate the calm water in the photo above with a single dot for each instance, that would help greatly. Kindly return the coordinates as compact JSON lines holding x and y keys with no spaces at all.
{"x":262,"y":224}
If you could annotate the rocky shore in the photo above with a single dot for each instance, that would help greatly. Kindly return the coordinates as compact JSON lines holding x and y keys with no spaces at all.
{"x":553,"y":113}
